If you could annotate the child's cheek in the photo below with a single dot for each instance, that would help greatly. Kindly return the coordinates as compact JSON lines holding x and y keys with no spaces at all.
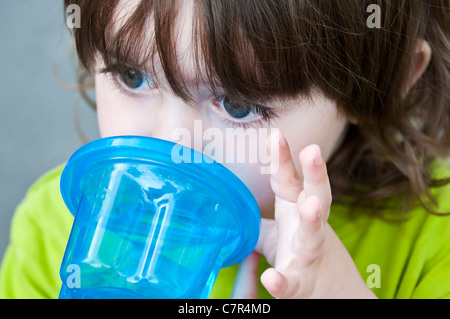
{"x":258,"y":184}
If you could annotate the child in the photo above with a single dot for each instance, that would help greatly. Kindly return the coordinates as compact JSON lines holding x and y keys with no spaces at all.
{"x":357,"y":206}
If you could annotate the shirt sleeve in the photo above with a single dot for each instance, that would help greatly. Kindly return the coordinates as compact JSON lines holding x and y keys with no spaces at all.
{"x":38,"y":236}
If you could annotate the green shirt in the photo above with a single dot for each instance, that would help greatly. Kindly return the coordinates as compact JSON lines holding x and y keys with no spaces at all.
{"x":410,"y":259}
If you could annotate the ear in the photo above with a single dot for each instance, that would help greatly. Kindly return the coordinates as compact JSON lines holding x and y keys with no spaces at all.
{"x":421,"y":59}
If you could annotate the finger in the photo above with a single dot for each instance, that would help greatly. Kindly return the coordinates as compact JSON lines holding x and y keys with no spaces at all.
{"x":315,"y":178}
{"x":284,"y":179}
{"x":311,"y":232}
{"x":278,"y":285}
{"x":246,"y":282}
{"x":287,"y":221}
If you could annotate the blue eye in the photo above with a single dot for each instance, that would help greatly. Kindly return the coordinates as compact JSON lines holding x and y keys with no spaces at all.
{"x":235,"y":111}
{"x":135,"y":79}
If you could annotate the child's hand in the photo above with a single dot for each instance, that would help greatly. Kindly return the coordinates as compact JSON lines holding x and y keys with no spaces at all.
{"x":308,"y":258}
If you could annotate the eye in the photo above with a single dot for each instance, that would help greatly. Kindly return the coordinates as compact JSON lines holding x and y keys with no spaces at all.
{"x":135,"y":79}
{"x":234,"y":110}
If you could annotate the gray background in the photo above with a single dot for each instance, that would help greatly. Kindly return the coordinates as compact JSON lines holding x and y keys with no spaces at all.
{"x":38,"y":115}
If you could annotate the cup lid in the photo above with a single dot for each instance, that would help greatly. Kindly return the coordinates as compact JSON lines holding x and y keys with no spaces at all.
{"x":181,"y":158}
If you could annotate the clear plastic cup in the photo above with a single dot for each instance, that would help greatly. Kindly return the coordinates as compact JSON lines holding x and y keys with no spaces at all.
{"x":149,"y":223}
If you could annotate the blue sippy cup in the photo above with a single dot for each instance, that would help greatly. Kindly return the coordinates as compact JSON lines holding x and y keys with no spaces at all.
{"x":152,"y":222}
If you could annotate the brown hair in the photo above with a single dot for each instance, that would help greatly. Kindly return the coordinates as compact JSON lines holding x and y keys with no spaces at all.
{"x":257,"y":50}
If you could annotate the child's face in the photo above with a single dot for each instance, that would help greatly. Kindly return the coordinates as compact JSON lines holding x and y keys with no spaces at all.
{"x":130,"y":106}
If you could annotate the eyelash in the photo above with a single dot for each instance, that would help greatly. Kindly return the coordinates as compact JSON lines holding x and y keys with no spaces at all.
{"x":266,"y":113}
{"x":114,"y":71}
